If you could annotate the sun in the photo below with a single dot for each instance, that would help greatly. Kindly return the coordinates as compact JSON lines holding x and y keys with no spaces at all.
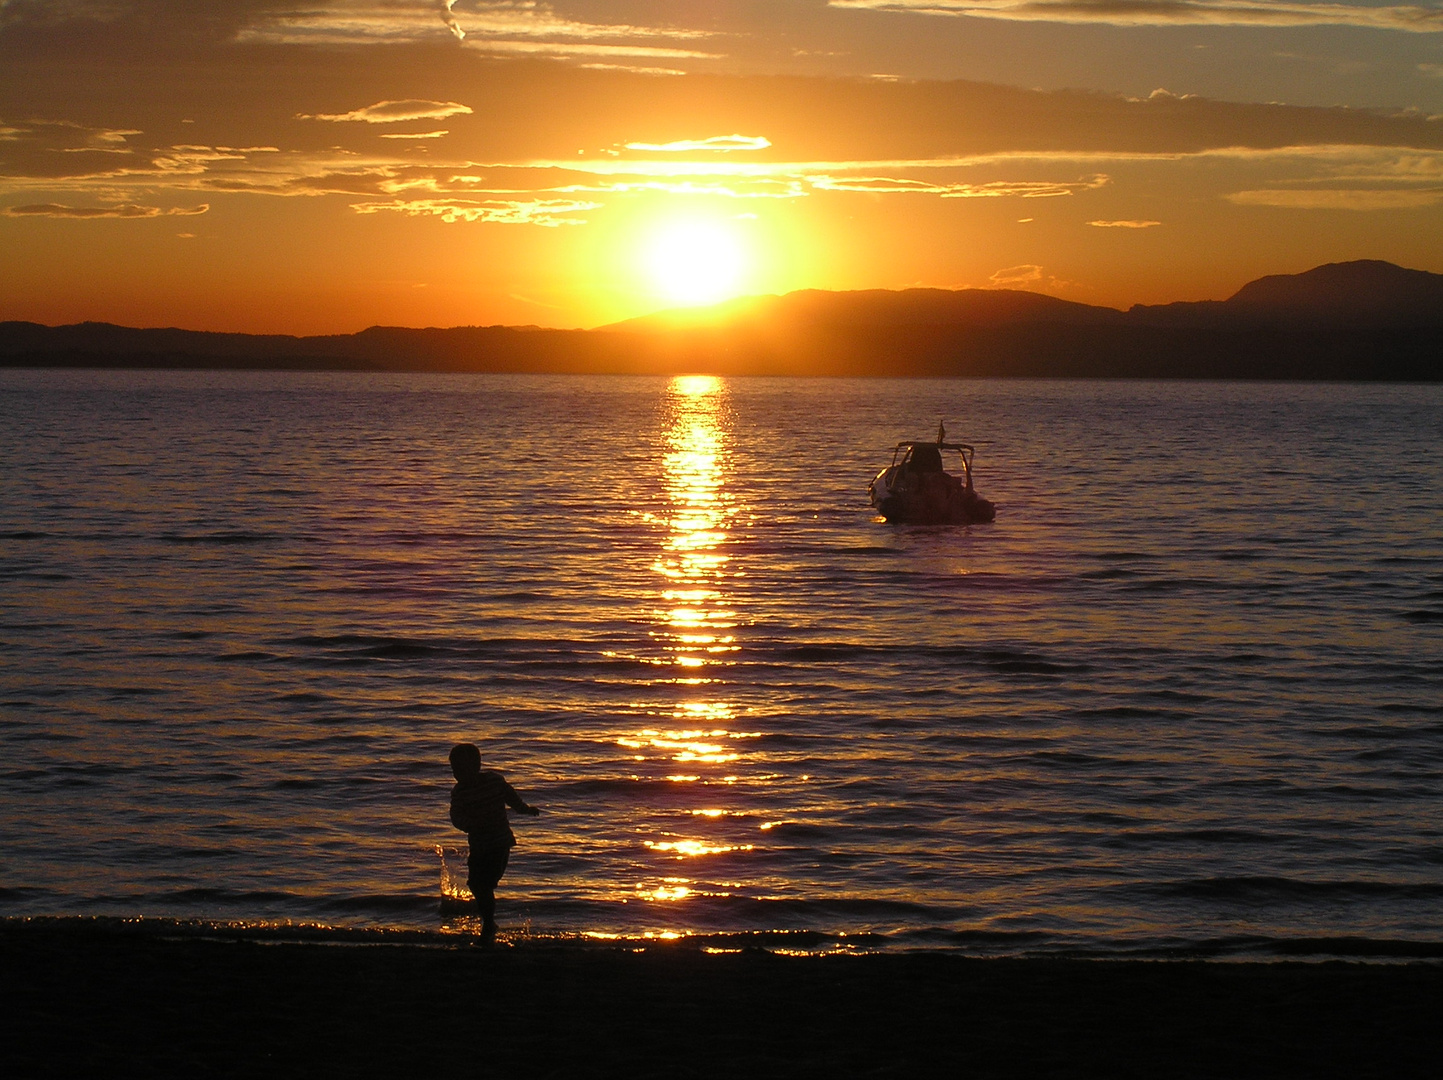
{"x":695,"y":261}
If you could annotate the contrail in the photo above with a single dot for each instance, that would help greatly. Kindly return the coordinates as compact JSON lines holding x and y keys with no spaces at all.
{"x":449,"y":19}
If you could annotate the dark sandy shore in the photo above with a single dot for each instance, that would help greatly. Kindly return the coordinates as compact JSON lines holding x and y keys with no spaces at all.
{"x":81,"y":999}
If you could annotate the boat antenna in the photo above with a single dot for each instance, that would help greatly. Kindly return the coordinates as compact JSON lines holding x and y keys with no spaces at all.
{"x":941,"y":432}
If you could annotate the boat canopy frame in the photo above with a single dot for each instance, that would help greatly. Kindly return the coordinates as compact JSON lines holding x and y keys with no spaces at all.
{"x":903,"y":454}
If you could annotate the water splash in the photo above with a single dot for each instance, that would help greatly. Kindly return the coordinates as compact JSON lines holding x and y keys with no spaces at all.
{"x":453,"y":876}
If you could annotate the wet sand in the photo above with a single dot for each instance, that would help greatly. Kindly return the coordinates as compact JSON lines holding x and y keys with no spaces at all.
{"x":84,"y":996}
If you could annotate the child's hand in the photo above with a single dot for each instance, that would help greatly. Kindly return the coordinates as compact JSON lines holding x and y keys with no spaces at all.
{"x":533,"y":811}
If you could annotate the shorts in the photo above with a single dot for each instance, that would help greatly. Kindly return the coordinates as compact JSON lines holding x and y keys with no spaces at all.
{"x":484,"y":868}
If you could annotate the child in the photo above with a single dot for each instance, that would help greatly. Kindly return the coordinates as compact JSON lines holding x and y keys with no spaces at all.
{"x":478,"y":808}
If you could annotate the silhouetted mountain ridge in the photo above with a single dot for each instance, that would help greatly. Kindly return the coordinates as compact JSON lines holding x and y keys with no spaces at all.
{"x":813,"y":308}
{"x":1364,"y":293}
{"x":1358,"y":320}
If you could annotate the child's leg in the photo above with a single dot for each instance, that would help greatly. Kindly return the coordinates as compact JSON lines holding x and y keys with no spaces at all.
{"x":487,"y":866}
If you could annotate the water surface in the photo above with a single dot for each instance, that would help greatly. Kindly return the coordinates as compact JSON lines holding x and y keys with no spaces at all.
{"x":1185,"y":692}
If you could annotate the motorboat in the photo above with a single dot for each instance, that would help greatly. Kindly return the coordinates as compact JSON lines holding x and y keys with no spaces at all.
{"x":916,"y":489}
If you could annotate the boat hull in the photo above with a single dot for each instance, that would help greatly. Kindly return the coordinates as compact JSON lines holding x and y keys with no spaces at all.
{"x":928,"y":499}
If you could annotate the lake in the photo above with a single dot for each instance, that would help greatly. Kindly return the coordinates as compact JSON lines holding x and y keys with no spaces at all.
{"x":1185,"y":694}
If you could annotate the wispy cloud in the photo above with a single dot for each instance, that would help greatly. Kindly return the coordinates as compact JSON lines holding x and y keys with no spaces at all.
{"x":353,"y":23}
{"x":66,"y":136}
{"x":590,"y":48}
{"x":545,"y":212}
{"x":510,"y":26}
{"x":635,"y":69}
{"x":1339,"y":198}
{"x":103,"y":138}
{"x":863,"y":174}
{"x":36,"y":171}
{"x":527,"y":18}
{"x":841,"y":169}
{"x":449,"y":18}
{"x":797,"y":178}
{"x":724,"y":143}
{"x":1406,"y":17}
{"x":993,"y":189}
{"x":746,"y":189}
{"x":391,"y":112}
{"x":122,"y":210}
{"x":1016,"y":275}
{"x":416,"y":135}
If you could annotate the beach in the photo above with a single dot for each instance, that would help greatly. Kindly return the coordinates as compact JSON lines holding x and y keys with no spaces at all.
{"x":83,"y":995}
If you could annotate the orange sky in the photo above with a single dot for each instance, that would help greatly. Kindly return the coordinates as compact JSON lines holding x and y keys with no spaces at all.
{"x":243,"y":166}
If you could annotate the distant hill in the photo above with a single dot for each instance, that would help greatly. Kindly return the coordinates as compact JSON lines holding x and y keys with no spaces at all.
{"x":378,"y":348}
{"x":1358,"y":320}
{"x":1362,"y":294}
{"x":1355,"y":320}
{"x":811,"y":309}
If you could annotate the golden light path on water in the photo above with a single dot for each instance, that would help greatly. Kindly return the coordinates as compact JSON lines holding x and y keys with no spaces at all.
{"x":695,"y":621}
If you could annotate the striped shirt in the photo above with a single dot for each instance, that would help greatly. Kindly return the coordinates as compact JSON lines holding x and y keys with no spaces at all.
{"x":478,"y":808}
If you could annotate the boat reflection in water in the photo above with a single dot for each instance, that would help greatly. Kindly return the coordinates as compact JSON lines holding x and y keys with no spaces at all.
{"x":691,"y":739}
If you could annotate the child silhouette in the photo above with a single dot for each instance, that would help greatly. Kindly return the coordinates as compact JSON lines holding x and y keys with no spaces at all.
{"x":478,"y":808}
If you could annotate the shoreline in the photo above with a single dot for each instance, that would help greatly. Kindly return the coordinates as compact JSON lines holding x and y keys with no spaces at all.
{"x":90,"y":994}
{"x":455,"y":929}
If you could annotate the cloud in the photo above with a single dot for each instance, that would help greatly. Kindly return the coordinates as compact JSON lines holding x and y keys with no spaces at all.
{"x":34,"y":174}
{"x":449,"y":18}
{"x":1016,"y":275}
{"x":1353,"y":160}
{"x":745,"y":189}
{"x":724,"y":143}
{"x":1225,"y":153}
{"x":1392,"y":167}
{"x":257,"y":169}
{"x":994,"y":189}
{"x":546,"y":212}
{"x":1339,"y":198}
{"x":635,"y":69}
{"x":66,"y":136}
{"x":831,"y":171}
{"x":1124,"y":224}
{"x":391,"y":112}
{"x":583,"y":48}
{"x":526,"y":18}
{"x":489,"y":25}
{"x":1405,"y":17}
{"x":147,"y":20}
{"x":104,"y":139}
{"x":122,"y":210}
{"x":794,"y":179}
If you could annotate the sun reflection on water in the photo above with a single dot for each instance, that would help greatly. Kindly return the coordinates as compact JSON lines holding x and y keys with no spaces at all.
{"x":688,"y":849}
{"x":694,"y":624}
{"x":697,"y":620}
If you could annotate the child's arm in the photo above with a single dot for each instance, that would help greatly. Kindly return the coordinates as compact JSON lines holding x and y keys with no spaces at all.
{"x":516,"y":802}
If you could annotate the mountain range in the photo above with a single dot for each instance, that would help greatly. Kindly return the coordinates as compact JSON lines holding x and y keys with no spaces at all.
{"x":1355,"y":320}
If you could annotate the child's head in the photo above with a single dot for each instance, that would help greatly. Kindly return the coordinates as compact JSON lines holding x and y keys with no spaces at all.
{"x":465,"y":760}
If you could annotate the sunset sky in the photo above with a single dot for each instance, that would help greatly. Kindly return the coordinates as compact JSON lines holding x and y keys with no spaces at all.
{"x":321,"y":167}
